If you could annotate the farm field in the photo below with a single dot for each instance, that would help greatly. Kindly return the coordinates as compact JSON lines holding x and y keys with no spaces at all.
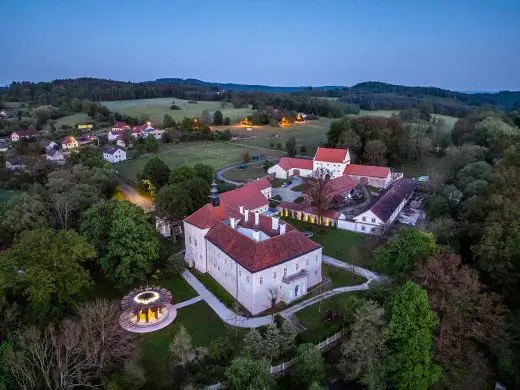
{"x":73,"y":120}
{"x":216,"y":154}
{"x":156,"y":108}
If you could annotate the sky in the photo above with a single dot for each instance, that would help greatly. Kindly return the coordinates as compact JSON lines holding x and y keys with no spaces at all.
{"x":456,"y":44}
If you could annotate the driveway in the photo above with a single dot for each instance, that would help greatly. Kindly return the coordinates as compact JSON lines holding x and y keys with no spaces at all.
{"x":134,"y":197}
{"x":286,"y":193}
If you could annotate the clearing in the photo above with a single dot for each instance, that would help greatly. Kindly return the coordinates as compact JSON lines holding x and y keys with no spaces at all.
{"x":156,"y":108}
{"x":73,"y":120}
{"x":216,"y":154}
{"x":250,"y":172}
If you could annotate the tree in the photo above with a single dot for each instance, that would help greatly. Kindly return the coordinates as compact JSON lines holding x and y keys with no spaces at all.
{"x":410,"y":361}
{"x":206,"y":118}
{"x":157,"y":172}
{"x":172,"y":204}
{"x":227,"y":121}
{"x":288,"y":333}
{"x":168,"y":122}
{"x":218,"y":118}
{"x":151,"y":144}
{"x":404,"y":251}
{"x":127,"y":137}
{"x":290,"y":147}
{"x":471,"y":320}
{"x":24,"y":212}
{"x":271,"y":345}
{"x":76,"y":353}
{"x":318,"y":190}
{"x":126,"y":244}
{"x":181,"y":347}
{"x":308,"y":366}
{"x":205,"y":172}
{"x":182,"y":174}
{"x":375,"y":152}
{"x":198,"y":190}
{"x":254,"y":344}
{"x":363,"y":352}
{"x":303,"y":149}
{"x":187,"y":124}
{"x":44,"y":269}
{"x":245,"y":157}
{"x":175,"y":265}
{"x":245,"y":373}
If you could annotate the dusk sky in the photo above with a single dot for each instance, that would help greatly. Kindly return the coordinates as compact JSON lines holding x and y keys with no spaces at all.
{"x":461,"y":44}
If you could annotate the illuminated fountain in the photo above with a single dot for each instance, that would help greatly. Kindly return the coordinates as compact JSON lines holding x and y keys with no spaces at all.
{"x":147,"y":309}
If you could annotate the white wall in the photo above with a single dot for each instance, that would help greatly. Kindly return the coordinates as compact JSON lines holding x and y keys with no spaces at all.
{"x":112,"y":136}
{"x":335,"y":169}
{"x":302,"y":172}
{"x":278,"y":171}
{"x":375,"y":181}
{"x":195,"y":244}
{"x":267,"y":192}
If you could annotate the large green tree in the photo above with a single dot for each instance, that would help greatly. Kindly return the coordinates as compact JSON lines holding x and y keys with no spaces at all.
{"x":157,"y":172}
{"x":172,"y":204}
{"x":404,"y":250}
{"x":290,"y":147}
{"x":205,"y":172}
{"x":23,"y":212}
{"x":218,"y":118}
{"x":410,"y":340}
{"x":308,"y":366}
{"x":44,"y":268}
{"x":182,"y":174}
{"x":244,"y":373}
{"x":126,"y":243}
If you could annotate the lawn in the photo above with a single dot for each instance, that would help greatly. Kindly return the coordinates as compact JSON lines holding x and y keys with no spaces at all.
{"x":340,"y":277}
{"x":216,"y":154}
{"x":298,"y":188}
{"x":73,"y":120}
{"x":383,"y":113}
{"x":248,"y":173}
{"x":412,"y":168}
{"x":202,"y":324}
{"x":277,"y":183}
{"x":5,"y":195}
{"x":157,"y":108}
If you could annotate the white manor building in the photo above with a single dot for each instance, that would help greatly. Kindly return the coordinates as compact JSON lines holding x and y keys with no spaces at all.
{"x":259,"y":260}
{"x":337,"y":163}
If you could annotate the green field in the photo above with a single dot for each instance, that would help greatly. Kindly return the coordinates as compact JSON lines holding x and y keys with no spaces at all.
{"x":252,"y":171}
{"x":383,"y":113}
{"x":156,"y":108}
{"x":73,"y":120}
{"x":216,"y":154}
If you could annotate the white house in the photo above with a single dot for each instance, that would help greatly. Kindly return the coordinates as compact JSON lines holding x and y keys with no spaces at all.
{"x":55,"y":156}
{"x":114,"y":154}
{"x":4,"y":146}
{"x":117,"y":130}
{"x":333,"y":160}
{"x":69,"y":143}
{"x":257,"y":259}
{"x":288,"y":167}
{"x":24,"y":134}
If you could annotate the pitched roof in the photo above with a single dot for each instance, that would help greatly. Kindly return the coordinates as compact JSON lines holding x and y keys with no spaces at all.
{"x":260,"y":184}
{"x":120,"y":125}
{"x":258,"y":255}
{"x":207,"y":215}
{"x":29,"y":132}
{"x":51,"y":152}
{"x":248,"y":196}
{"x":390,"y":200}
{"x":367,"y":170}
{"x":113,"y":149}
{"x":68,"y":140}
{"x":342,"y":184}
{"x":331,"y":155}
{"x":287,"y":163}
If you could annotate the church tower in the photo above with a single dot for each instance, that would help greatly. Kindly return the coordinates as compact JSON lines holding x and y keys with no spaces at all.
{"x":215,"y":199}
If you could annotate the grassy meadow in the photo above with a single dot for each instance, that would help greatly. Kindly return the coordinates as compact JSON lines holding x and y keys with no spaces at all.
{"x":216,"y":154}
{"x":156,"y":108}
{"x":73,"y":120}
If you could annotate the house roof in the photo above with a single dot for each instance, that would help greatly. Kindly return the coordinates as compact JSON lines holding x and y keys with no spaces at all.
{"x":120,"y":125}
{"x":260,"y":184}
{"x":29,"y":132}
{"x":390,"y":200}
{"x":248,"y":196}
{"x":52,"y":152}
{"x":287,"y":163}
{"x":113,"y":149}
{"x":68,"y":140}
{"x":16,"y":160}
{"x":331,"y":155}
{"x":367,"y":170}
{"x":207,"y":215}
{"x":342,"y":184}
{"x":258,"y":255}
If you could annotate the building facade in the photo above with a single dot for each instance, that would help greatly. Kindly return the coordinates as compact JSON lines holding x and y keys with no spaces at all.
{"x":114,"y":154}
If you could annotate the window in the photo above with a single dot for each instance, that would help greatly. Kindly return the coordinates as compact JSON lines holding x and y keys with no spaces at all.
{"x":239,"y":272}
{"x":364,"y":219}
{"x":190,"y":239}
{"x":285,"y":271}
{"x":297,"y":266}
{"x":373,"y":230}
{"x":274,"y":275}
{"x":316,"y":272}
{"x":316,"y":257}
{"x":307,"y":262}
{"x":373,"y":220}
{"x":363,"y":228}
{"x":247,"y":279}
{"x":195,"y":242}
{"x":261,"y":280}
{"x":218,"y":267}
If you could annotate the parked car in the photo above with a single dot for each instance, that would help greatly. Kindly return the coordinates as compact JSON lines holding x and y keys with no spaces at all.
{"x":283,"y":185}
{"x":289,"y":182}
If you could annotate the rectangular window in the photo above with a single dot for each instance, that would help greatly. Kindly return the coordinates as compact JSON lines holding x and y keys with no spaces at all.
{"x":261,"y":280}
{"x":316,"y":272}
{"x":316,"y":257}
{"x":274,"y":275}
{"x":247,"y":279}
{"x":363,"y":228}
{"x":373,"y":220}
{"x":195,"y":242}
{"x":239,"y":272}
{"x":307,"y":262}
{"x":285,"y":271}
{"x":364,"y":219}
{"x":190,"y":239}
{"x":297,"y":266}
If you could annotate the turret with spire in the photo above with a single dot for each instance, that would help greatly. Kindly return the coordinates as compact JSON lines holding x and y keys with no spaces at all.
{"x":215,"y":199}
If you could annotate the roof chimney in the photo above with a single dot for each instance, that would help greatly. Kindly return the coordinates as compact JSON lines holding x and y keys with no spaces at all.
{"x":282,"y":228}
{"x":241,"y":208}
{"x":257,"y":218}
{"x":233,"y":222}
{"x":246,"y":215}
{"x":274,"y":223}
{"x":256,"y":235}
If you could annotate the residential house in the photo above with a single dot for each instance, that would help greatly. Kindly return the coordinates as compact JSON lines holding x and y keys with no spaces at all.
{"x":249,"y":196}
{"x":259,"y":260}
{"x":56,"y":156}
{"x":4,"y":146}
{"x":117,"y":130}
{"x":288,"y":167}
{"x":114,"y":154}
{"x":69,"y":143}
{"x":15,"y":163}
{"x":30,"y":132}
{"x":48,"y":145}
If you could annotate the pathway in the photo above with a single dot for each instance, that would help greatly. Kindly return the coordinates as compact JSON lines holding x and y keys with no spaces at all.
{"x":134,"y":197}
{"x":233,"y":319}
{"x":191,"y":301}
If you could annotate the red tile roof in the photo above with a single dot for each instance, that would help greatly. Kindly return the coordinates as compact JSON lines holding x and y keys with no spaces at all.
{"x":29,"y":132}
{"x":287,"y":163}
{"x":120,"y":125}
{"x":68,"y":140}
{"x":342,"y":184}
{"x":331,"y":155}
{"x":207,"y":215}
{"x":247,"y":196}
{"x":367,"y":170}
{"x":259,"y":255}
{"x":260,"y":184}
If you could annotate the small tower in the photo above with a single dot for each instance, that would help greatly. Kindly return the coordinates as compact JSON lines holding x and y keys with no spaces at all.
{"x":215,"y":199}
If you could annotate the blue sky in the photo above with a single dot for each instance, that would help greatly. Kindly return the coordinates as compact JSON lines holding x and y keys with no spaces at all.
{"x":461,"y":44}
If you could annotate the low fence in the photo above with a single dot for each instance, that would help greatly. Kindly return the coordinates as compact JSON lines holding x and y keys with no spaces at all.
{"x":285,"y":365}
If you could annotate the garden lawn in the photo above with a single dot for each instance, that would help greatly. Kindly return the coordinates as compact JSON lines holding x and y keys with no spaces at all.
{"x":277,"y":183}
{"x":216,"y":154}
{"x":249,"y":173}
{"x":73,"y":120}
{"x":202,"y":324}
{"x":340,"y":277}
{"x":155,"y":109}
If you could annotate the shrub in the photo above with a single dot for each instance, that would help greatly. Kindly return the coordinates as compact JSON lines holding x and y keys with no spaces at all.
{"x":174,"y":266}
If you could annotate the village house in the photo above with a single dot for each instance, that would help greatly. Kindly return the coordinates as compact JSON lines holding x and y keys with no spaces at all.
{"x":16,"y":163}
{"x":117,"y":130}
{"x":47,"y":145}
{"x":56,"y":156}
{"x":69,"y":143}
{"x":259,"y":260}
{"x":30,"y":132}
{"x":337,"y":163}
{"x":114,"y":154}
{"x":4,"y":146}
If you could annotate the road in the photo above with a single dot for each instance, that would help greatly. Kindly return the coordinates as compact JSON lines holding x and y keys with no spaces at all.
{"x":134,"y":197}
